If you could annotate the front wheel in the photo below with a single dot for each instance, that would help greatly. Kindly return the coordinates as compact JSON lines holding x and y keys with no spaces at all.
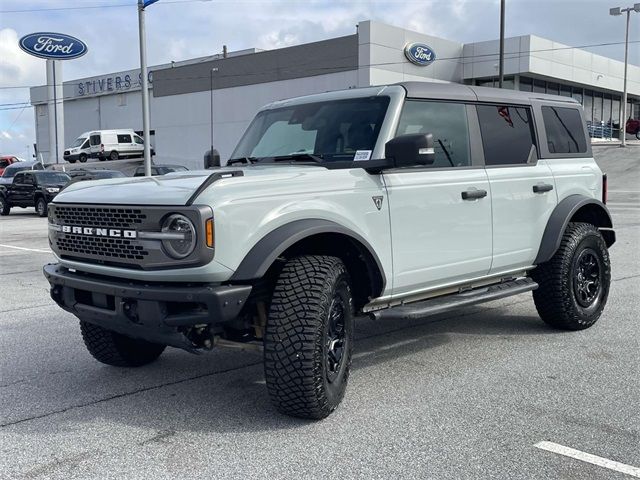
{"x":41,"y":207}
{"x":574,"y":284}
{"x":5,"y":208}
{"x":118,"y":350}
{"x":82,"y":158}
{"x":309,"y":337}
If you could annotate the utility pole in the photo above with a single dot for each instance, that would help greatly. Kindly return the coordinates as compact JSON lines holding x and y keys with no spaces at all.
{"x":623,"y":120}
{"x":144,"y":85}
{"x":501,"y":61}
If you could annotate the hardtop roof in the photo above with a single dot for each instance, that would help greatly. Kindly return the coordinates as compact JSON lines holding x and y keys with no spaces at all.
{"x":456,"y":91}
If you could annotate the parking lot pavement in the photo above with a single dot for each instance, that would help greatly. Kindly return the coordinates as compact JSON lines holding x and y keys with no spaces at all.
{"x":464,"y":395}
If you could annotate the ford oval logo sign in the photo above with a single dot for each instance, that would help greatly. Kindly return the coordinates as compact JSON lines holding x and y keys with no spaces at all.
{"x":55,"y":46}
{"x":420,"y":54}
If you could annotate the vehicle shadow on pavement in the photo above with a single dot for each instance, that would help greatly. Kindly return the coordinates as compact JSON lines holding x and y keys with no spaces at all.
{"x":234,"y":398}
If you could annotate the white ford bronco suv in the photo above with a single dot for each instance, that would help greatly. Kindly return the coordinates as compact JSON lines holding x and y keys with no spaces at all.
{"x":396,"y":201}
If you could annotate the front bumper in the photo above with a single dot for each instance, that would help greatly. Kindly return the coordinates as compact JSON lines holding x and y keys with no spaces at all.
{"x":156,"y":312}
{"x":71,"y":157}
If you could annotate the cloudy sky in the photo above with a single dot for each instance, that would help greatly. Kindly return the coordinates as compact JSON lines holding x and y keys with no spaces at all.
{"x":182,"y":29}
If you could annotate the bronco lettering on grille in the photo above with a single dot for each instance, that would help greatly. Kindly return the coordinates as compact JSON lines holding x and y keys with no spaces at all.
{"x":100,"y":232}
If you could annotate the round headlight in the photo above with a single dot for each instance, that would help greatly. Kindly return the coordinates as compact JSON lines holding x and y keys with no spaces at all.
{"x":184,"y":240}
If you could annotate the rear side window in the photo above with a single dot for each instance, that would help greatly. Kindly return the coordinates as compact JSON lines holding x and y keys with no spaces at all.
{"x":4,"y":163}
{"x":564,"y":128}
{"x":507,"y":134}
{"x":124,"y":139}
{"x":447,"y":122}
{"x":95,"y":140}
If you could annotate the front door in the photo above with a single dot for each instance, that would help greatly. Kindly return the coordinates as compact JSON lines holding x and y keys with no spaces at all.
{"x":440,"y":214}
{"x":522,"y":186}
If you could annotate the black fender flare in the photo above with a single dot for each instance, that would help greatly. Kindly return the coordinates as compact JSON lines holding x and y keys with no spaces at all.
{"x":262,"y":255}
{"x":562,"y":215}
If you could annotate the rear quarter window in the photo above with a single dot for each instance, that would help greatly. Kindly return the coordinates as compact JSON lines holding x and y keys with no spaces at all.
{"x":564,"y":129}
{"x":507,"y":134}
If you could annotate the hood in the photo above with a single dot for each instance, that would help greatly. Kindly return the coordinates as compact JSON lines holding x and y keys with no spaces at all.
{"x":171,"y":189}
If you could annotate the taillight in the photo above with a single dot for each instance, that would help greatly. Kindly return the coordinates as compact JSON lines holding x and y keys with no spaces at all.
{"x":102,"y":147}
{"x":605,"y":186}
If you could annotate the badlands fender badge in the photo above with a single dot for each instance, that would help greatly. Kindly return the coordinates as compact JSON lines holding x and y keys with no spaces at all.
{"x":378,"y":202}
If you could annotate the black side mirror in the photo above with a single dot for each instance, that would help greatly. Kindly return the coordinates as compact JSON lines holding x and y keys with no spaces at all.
{"x":211,"y":159}
{"x":410,"y":150}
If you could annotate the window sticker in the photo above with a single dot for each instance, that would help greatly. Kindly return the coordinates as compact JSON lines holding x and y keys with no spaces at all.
{"x":362,"y":155}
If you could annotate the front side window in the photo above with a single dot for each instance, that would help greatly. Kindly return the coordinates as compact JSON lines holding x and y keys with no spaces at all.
{"x":331,"y":130}
{"x":124,"y":139}
{"x":447,"y":122}
{"x":138,"y":140}
{"x":564,"y":129}
{"x":507,"y":134}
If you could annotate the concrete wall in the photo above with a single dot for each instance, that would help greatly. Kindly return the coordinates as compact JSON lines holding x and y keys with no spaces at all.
{"x":382,"y":59}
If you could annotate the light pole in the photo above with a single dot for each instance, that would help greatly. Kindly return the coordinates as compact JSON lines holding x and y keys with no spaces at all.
{"x":142,"y":4}
{"x":501,"y":61}
{"x":211,"y":72}
{"x":623,"y":123}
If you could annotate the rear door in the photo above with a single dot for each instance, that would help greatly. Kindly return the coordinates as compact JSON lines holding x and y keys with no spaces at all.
{"x":522,"y":185}
{"x":440,"y":214}
{"x":95,"y":143}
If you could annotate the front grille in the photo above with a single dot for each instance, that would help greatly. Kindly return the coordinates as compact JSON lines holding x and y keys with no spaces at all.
{"x":98,"y":216}
{"x":113,"y":248}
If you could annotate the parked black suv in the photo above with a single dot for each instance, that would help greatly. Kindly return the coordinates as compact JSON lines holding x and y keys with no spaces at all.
{"x":32,"y":188}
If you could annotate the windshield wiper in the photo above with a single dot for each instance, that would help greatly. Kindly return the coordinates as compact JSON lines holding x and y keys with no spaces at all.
{"x":247,"y":160}
{"x":299,"y":157}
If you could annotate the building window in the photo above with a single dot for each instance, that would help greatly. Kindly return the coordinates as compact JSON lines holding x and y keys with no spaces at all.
{"x":615,"y":110}
{"x":565,"y":90}
{"x":588,"y":105}
{"x":606,"y":108}
{"x":597,"y":107}
{"x":576,"y":93}
{"x":526,"y":84}
{"x":553,"y":88}
{"x":507,"y":134}
{"x":539,"y":86}
{"x":42,"y":110}
{"x":564,"y":129}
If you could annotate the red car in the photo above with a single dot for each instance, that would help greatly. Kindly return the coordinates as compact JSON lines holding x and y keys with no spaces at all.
{"x":633,"y":127}
{"x":5,"y":161}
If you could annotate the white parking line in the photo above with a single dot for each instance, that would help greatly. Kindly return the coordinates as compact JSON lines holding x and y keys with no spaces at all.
{"x":587,"y":457}
{"x":26,"y":249}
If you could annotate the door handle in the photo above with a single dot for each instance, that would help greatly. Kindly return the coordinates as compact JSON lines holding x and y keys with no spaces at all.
{"x":542,"y":188}
{"x":473,"y":194}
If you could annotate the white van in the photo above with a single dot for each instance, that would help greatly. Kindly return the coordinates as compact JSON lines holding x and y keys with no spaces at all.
{"x":79,"y":149}
{"x":115,"y":144}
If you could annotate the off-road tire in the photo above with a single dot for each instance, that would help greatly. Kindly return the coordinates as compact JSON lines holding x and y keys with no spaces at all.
{"x":41,"y":207}
{"x":113,"y":155}
{"x":118,"y":350}
{"x":82,"y":158}
{"x":557,"y":298}
{"x":297,"y":339}
{"x":5,"y":208}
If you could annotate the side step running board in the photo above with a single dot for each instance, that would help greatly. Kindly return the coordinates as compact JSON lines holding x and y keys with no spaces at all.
{"x":454,"y":301}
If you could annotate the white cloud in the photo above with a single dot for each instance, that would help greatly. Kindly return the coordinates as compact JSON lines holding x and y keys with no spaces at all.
{"x":17,"y":67}
{"x":6,"y":135}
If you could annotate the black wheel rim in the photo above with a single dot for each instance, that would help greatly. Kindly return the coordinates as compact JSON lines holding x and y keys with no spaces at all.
{"x":587,"y":278}
{"x":336,"y":337}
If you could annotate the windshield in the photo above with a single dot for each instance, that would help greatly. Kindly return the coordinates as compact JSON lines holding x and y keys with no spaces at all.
{"x":52,"y":178}
{"x":11,"y":172}
{"x":79,"y":141}
{"x":332,"y":131}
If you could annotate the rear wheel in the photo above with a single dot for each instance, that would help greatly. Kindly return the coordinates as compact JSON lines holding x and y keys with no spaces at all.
{"x":574,"y":284}
{"x":113,"y":155}
{"x":118,"y":350}
{"x":41,"y":207}
{"x":309,"y":337}
{"x":5,"y":208}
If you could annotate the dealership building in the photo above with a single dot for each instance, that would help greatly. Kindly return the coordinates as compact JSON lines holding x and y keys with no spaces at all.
{"x":207,"y":100}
